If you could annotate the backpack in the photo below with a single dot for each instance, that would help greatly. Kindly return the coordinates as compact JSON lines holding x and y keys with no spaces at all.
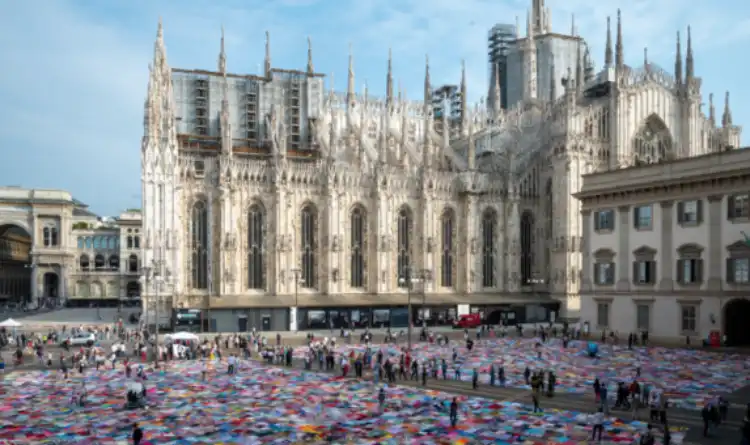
{"x":648,"y":439}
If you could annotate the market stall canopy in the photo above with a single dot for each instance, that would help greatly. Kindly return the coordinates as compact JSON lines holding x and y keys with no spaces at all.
{"x":10,"y":323}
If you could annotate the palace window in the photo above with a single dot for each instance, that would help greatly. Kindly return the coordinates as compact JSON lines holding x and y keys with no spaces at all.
{"x":255,"y":241}
{"x":199,"y":245}
{"x":404,"y":234}
{"x":114,"y":262}
{"x":689,"y":318}
{"x":130,"y":242}
{"x":644,"y":272}
{"x":689,"y":212}
{"x":308,"y":246}
{"x":358,"y":221}
{"x":738,"y":270}
{"x":99,"y":262}
{"x":604,"y":274}
{"x":604,"y":220}
{"x":738,"y":206}
{"x":448,"y":226}
{"x":643,"y":217}
{"x":489,"y":227}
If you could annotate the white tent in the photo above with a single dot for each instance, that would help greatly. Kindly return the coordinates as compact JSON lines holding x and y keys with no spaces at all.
{"x":10,"y":323}
{"x":182,"y":336}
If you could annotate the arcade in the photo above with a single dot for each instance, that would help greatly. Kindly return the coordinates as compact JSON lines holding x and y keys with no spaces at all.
{"x":15,"y":265}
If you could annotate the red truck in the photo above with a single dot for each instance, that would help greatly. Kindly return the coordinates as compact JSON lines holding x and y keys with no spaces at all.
{"x":468,"y":321}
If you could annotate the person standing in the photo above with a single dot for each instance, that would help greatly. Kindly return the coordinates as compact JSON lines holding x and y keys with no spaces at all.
{"x":137,"y":434}
{"x":454,"y":412}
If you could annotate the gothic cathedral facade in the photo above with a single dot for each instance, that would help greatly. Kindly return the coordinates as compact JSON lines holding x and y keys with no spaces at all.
{"x":269,"y":194}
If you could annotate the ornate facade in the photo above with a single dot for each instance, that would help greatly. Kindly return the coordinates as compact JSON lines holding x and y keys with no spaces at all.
{"x":268,"y":192}
{"x":53,"y":248}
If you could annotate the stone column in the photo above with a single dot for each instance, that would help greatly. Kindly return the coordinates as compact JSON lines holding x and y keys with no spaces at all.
{"x":62,"y":293}
{"x":586,"y":267}
{"x":667,"y":249}
{"x":715,"y":249}
{"x":623,"y":249}
{"x":34,"y":282}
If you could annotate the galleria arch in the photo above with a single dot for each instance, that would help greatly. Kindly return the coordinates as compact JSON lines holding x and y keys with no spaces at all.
{"x":15,"y":264}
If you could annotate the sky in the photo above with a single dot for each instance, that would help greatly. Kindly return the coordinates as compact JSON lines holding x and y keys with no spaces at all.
{"x":75,"y":72}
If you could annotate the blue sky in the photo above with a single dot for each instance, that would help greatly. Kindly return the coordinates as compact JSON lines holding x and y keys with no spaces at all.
{"x":75,"y":72}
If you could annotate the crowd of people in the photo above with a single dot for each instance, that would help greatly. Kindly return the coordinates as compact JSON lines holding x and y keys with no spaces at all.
{"x":132,"y":348}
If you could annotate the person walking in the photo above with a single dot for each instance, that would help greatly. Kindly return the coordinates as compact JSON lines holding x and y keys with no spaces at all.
{"x":598,"y":425}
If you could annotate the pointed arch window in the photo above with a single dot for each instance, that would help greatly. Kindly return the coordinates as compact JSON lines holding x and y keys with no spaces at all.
{"x":404,"y":242}
{"x":489,"y":229}
{"x":357,"y":247}
{"x":256,"y":278}
{"x":308,"y":245}
{"x":199,"y":245}
{"x":527,"y":251}
{"x":447,"y":223}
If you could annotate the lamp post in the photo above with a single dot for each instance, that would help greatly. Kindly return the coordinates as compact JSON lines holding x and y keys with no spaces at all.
{"x":297,"y":277}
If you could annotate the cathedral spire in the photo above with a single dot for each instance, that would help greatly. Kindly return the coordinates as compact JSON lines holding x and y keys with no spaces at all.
{"x":645,"y":58}
{"x":726,"y":118}
{"x":711,"y":110}
{"x":350,"y":93}
{"x":471,"y":151}
{"x":619,"y":56}
{"x":267,"y":61}
{"x":310,"y":67}
{"x":222,"y":55}
{"x":678,"y":62}
{"x":427,"y":143}
{"x":496,"y":96}
{"x":573,"y":30}
{"x":579,"y":68}
{"x":689,"y":63}
{"x":389,"y":80}
{"x":464,"y":110}
{"x":608,"y":48}
{"x":427,"y":86}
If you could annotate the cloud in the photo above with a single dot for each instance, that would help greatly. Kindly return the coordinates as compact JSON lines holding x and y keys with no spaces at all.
{"x":75,"y":73}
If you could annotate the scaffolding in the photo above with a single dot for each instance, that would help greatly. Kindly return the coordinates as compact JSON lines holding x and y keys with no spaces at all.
{"x":201,"y":107}
{"x":251,"y":112}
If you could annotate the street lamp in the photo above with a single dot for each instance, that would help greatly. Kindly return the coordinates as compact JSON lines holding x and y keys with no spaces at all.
{"x":297,"y":277}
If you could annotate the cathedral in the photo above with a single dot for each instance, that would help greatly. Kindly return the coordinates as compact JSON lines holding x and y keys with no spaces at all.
{"x":272,"y":202}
